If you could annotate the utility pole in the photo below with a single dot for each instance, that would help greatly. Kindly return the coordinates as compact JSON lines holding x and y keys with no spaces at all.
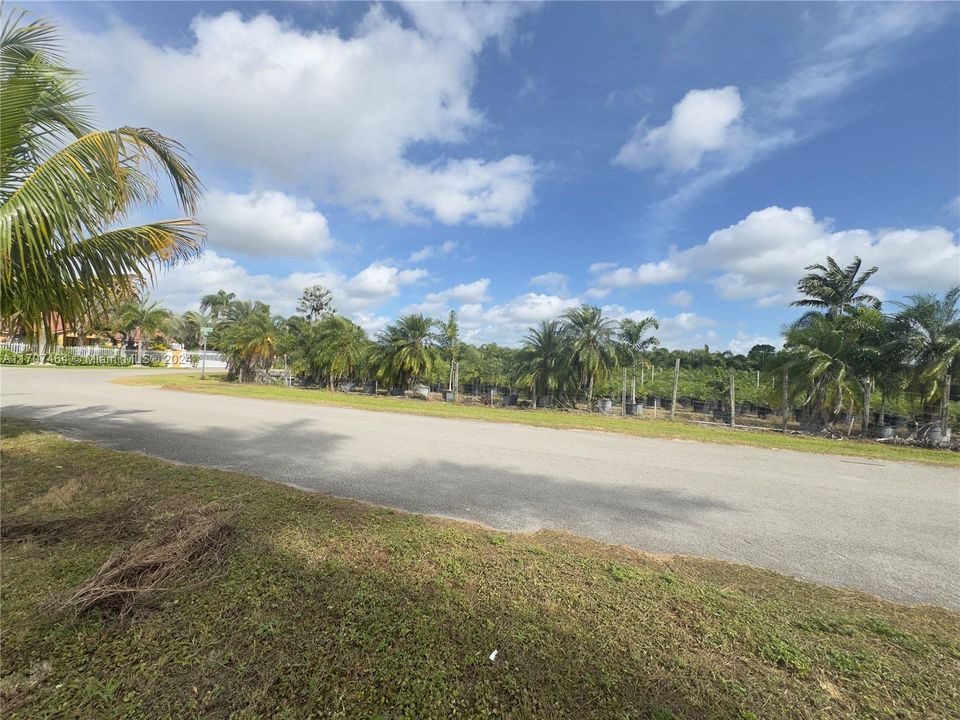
{"x":733,"y":407}
{"x":676,"y":381}
{"x":783,"y":404}
{"x":758,"y":379}
{"x":204,"y":331}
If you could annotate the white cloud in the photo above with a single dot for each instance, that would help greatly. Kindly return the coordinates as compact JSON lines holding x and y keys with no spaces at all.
{"x":356,"y":297}
{"x":439,"y":303}
{"x":703,"y":121}
{"x":508,"y":322}
{"x":952,"y":207}
{"x":762,"y":257}
{"x":336,"y":113}
{"x":651,"y":273}
{"x":716,"y":133}
{"x":596,"y":293}
{"x":431,"y":251}
{"x":381,"y":281}
{"x":743,"y":341}
{"x":681,"y":298}
{"x":555,"y":281}
{"x":267,"y":223}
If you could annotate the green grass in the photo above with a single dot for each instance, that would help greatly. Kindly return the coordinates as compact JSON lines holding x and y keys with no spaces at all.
{"x":332,"y":608}
{"x":215,"y":384}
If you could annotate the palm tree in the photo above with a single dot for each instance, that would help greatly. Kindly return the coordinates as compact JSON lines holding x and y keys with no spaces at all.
{"x":542,"y":359}
{"x":590,"y":339}
{"x":341,"y":346}
{"x":146,"y":319}
{"x":408,"y":349}
{"x":193,"y":323}
{"x":834,"y":289}
{"x":929,"y":328}
{"x":249,"y":337}
{"x":449,"y":340}
{"x":634,"y":344}
{"x":217,"y":303}
{"x":816,"y":353}
{"x":63,"y":249}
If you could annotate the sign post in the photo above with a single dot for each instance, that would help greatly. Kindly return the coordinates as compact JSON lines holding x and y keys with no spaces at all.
{"x":204,"y":331}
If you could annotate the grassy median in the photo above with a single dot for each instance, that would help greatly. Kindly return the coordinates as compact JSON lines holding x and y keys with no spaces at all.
{"x":661,"y":428}
{"x":333,"y":608}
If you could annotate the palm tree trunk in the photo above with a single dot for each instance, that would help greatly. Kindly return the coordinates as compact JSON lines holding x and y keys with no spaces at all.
{"x":590,"y":393}
{"x":533,"y":394}
{"x":883,"y":401}
{"x":633,"y":387}
{"x":852,"y":418}
{"x":139,"y":346}
{"x":867,"y":389}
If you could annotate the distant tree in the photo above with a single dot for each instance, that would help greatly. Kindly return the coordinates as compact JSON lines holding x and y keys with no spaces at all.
{"x":760,"y":355}
{"x":449,"y":339}
{"x":192,"y":323}
{"x":408,"y":349}
{"x":542,"y":359}
{"x":929,"y":328}
{"x":146,"y":319}
{"x":249,"y":337}
{"x":315,"y":303}
{"x":590,"y":340}
{"x":635,"y":342}
{"x":834,"y":289}
{"x":217,"y":303}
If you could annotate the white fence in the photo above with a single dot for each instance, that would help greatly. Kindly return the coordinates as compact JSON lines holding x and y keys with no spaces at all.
{"x":167,"y":358}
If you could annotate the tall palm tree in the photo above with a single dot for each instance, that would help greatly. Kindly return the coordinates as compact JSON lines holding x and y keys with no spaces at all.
{"x":341,"y":346}
{"x":64,"y":251}
{"x":542,"y":359}
{"x":634,"y":342}
{"x":146,"y":319}
{"x":448,"y":335}
{"x":590,"y":339}
{"x":217,"y":303}
{"x":834,"y":289}
{"x":929,"y":327}
{"x":249,"y":337}
{"x":408,"y":349}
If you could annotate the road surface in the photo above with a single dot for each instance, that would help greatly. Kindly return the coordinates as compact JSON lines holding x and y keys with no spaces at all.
{"x":891,"y":529}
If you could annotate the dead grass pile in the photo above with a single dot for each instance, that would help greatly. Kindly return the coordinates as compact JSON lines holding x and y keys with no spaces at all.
{"x":177,"y":546}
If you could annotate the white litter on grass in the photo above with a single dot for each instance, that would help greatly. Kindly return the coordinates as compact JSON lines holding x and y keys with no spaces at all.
{"x":493,"y":656}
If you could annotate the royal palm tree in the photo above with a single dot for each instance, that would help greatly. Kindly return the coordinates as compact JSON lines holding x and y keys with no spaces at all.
{"x":929,"y":327}
{"x":448,"y":335}
{"x":64,"y":251}
{"x":146,"y":319}
{"x":591,"y":341}
{"x":408,"y":349}
{"x":635,"y":342}
{"x":542,"y":359}
{"x":835,"y":290}
{"x":217,"y":303}
{"x":249,"y":337}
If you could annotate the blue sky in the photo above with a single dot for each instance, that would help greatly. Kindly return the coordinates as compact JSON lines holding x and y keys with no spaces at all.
{"x":506,"y":161}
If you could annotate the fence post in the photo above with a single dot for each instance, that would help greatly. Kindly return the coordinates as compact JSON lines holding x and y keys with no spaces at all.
{"x":676,"y":381}
{"x":623,"y":395}
{"x":783,"y":403}
{"x":733,"y":400}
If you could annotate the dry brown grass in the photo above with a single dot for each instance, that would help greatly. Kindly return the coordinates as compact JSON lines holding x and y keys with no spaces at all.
{"x":176,"y":545}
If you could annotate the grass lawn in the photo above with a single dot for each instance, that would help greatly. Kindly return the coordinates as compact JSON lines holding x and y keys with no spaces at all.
{"x":216,"y":384}
{"x":331,"y":608}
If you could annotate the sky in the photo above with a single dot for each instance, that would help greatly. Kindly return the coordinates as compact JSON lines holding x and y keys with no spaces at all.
{"x":679,"y":159}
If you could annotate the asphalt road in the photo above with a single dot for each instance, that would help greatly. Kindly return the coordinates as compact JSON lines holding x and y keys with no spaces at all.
{"x":891,"y":529}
